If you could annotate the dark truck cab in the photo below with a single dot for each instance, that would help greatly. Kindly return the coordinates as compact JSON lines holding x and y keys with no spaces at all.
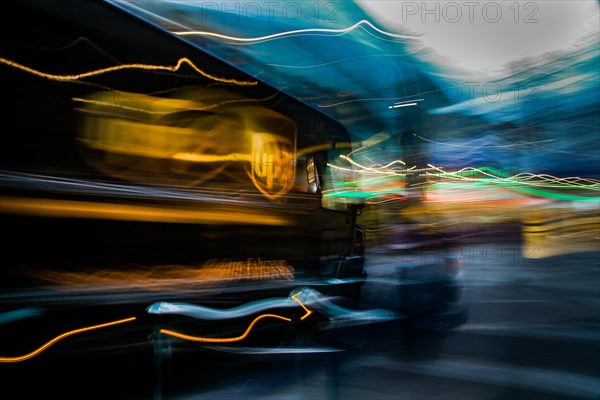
{"x":130,"y":185}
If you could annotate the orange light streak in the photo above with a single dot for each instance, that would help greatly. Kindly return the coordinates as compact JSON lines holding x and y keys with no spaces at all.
{"x":308,"y":312}
{"x":60,"y":337}
{"x":223,"y":340}
{"x":243,"y":335}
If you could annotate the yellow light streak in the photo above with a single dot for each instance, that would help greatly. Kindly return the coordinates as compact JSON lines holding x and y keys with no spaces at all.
{"x":98,"y":210}
{"x":572,"y":234}
{"x":370,"y":142}
{"x":562,"y":225}
{"x":209,"y":158}
{"x":148,"y":67}
{"x":539,"y":179}
{"x":524,"y":179}
{"x":324,"y":146}
{"x":243,"y":335}
{"x":377,"y":138}
{"x":383,"y":170}
{"x":60,"y":337}
{"x":173,"y":105}
{"x":124,"y":107}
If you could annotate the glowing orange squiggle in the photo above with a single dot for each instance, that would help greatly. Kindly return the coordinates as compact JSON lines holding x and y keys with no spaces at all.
{"x":60,"y":337}
{"x":149,"y":67}
{"x":243,"y":335}
{"x":308,"y":312}
{"x":223,"y":340}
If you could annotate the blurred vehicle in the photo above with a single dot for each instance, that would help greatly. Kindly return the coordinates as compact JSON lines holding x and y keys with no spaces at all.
{"x":427,"y":256}
{"x":142,"y":169}
{"x":138,"y":176}
{"x":430,"y":284}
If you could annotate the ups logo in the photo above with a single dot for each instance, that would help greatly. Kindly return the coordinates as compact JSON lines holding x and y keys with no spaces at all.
{"x":273,"y":164}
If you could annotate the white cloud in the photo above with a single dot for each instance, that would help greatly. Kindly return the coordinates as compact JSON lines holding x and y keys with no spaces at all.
{"x":464,"y":32}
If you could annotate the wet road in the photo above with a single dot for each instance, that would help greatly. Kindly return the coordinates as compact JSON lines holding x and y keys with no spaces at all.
{"x":533,"y":333}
